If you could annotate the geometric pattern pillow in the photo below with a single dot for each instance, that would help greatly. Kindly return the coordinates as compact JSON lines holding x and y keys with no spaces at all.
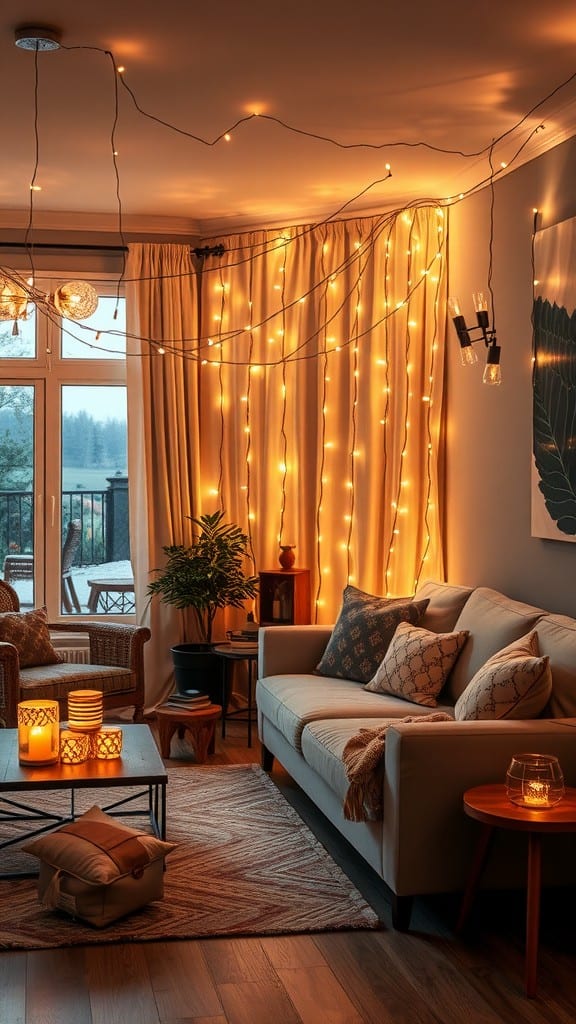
{"x":514,"y":683}
{"x":417,"y":664}
{"x":362,"y":632}
{"x":29,"y":633}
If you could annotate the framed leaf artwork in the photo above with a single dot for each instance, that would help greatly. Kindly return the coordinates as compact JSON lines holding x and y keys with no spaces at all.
{"x":554,"y":384}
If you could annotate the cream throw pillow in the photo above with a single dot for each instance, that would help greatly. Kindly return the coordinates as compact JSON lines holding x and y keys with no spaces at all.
{"x":514,"y":683}
{"x":417,"y":663}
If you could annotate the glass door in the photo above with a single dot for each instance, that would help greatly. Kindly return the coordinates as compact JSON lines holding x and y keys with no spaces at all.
{"x":64,"y":534}
{"x":18,"y":404}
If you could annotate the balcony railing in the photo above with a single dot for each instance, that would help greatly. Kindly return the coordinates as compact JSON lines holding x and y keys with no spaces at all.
{"x":103,"y":515}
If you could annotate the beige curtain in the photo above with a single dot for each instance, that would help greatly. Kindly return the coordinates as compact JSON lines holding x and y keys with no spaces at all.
{"x":321,"y":384}
{"x":163,"y":435}
{"x":307,"y":405}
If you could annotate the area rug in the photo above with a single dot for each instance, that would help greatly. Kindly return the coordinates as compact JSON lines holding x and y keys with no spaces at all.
{"x":246,"y":864}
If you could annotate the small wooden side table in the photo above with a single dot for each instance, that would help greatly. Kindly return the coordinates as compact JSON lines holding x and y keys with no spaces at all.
{"x":200,"y":724}
{"x":240,"y":652}
{"x":491,"y":806}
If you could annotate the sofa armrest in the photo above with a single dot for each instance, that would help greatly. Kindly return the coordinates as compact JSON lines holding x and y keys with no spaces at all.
{"x":428,"y":767}
{"x":290,"y":649}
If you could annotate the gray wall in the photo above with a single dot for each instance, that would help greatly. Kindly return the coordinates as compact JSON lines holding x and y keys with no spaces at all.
{"x":489,"y":429}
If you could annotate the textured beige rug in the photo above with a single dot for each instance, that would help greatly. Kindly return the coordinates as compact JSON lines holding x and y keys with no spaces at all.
{"x":246,"y":864}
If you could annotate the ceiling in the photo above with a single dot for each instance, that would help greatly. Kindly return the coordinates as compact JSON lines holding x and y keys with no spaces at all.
{"x":361,"y":74}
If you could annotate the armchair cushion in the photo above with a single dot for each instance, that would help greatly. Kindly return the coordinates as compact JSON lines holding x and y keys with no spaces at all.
{"x":56,"y":681}
{"x":361,"y":635}
{"x":29,"y":633}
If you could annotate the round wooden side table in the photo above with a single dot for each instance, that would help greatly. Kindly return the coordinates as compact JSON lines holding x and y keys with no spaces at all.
{"x":490,"y":806}
{"x":200,"y":724}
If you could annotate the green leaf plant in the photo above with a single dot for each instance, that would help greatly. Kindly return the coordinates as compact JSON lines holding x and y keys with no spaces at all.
{"x":207,"y":575}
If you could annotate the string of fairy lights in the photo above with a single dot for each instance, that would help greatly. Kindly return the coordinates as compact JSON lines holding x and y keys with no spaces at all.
{"x":218,"y":348}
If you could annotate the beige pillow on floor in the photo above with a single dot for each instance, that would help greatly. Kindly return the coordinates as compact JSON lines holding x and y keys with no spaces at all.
{"x":514,"y":683}
{"x":97,"y":869}
{"x":417,"y":663}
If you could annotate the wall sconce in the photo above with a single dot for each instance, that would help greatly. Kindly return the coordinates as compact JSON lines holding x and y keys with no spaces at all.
{"x":74,"y":747}
{"x":535,"y":781}
{"x":468,"y":356}
{"x":85,"y":710}
{"x":38,"y":732}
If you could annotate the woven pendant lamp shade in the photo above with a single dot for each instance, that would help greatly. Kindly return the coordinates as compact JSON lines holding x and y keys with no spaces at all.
{"x":13,"y":300}
{"x":76,"y":300}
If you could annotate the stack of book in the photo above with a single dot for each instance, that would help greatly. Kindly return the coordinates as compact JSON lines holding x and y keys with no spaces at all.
{"x":191,"y":700}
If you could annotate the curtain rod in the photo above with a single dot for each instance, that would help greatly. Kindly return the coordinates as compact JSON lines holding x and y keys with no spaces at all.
{"x":205,"y":250}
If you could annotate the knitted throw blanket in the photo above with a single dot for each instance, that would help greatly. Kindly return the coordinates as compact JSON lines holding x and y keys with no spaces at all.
{"x":362,"y":758}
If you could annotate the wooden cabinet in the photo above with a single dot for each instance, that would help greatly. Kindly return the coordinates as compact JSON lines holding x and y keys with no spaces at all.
{"x":285,"y":597}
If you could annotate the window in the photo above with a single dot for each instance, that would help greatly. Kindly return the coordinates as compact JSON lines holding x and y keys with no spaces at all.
{"x":64,"y":537}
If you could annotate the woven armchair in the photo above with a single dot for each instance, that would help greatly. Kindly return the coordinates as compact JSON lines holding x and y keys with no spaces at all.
{"x":115,"y":665}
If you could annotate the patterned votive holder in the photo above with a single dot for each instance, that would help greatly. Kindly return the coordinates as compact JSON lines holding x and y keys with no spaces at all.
{"x":74,"y":747}
{"x":106,"y":744}
{"x":85,"y":709}
{"x":38,"y":732}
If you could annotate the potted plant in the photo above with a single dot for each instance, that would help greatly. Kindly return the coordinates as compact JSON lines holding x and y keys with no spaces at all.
{"x":205,"y":576}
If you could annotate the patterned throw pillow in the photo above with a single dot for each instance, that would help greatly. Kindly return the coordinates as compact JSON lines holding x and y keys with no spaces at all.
{"x":514,"y":683}
{"x":364,"y":628}
{"x":29,"y":633}
{"x":417,"y":664}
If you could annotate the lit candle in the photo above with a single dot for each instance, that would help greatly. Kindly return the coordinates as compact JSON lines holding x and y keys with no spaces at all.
{"x":536,"y":794}
{"x":40,"y":742}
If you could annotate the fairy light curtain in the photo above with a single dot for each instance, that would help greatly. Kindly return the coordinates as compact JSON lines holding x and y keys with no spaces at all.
{"x":321,"y":381}
{"x":163,"y":433}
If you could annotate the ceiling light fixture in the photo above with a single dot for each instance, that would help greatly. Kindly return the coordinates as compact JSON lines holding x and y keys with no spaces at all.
{"x":75,"y":300}
{"x":36,"y":37}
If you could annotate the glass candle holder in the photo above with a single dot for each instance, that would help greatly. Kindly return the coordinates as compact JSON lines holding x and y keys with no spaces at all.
{"x":85,"y":708}
{"x":38,"y":732}
{"x":74,"y":747}
{"x":535,"y":781}
{"x":106,"y":744}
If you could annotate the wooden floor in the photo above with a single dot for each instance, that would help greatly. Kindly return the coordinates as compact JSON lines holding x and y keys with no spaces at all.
{"x":425,"y":976}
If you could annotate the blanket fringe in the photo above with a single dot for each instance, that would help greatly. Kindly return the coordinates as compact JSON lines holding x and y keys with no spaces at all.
{"x":363,"y":756}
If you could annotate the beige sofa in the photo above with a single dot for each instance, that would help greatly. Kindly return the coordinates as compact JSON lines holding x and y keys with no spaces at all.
{"x":424,"y":842}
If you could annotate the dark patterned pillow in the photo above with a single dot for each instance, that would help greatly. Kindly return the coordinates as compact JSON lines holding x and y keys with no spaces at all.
{"x":29,"y":633}
{"x":363,"y":631}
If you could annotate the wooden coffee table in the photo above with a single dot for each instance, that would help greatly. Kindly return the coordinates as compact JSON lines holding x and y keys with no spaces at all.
{"x":491,"y":806}
{"x":140,"y":766}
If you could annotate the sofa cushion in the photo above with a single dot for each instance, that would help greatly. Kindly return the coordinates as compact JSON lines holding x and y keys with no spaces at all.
{"x":362,"y":632}
{"x":29,"y":633}
{"x":417,"y":664}
{"x":493,"y":621}
{"x":290,"y":702}
{"x":514,"y":683}
{"x":446,"y":603}
{"x":557,"y":639}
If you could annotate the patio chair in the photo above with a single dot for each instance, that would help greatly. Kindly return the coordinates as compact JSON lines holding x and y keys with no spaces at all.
{"x":115,"y":665}
{"x":70,"y":600}
{"x":21,"y":567}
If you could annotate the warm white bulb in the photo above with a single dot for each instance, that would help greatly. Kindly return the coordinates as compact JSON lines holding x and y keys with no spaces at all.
{"x":468,"y":355}
{"x":492,"y":374}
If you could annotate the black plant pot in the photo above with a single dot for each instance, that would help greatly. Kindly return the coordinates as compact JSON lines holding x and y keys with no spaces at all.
{"x":197,"y":667}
